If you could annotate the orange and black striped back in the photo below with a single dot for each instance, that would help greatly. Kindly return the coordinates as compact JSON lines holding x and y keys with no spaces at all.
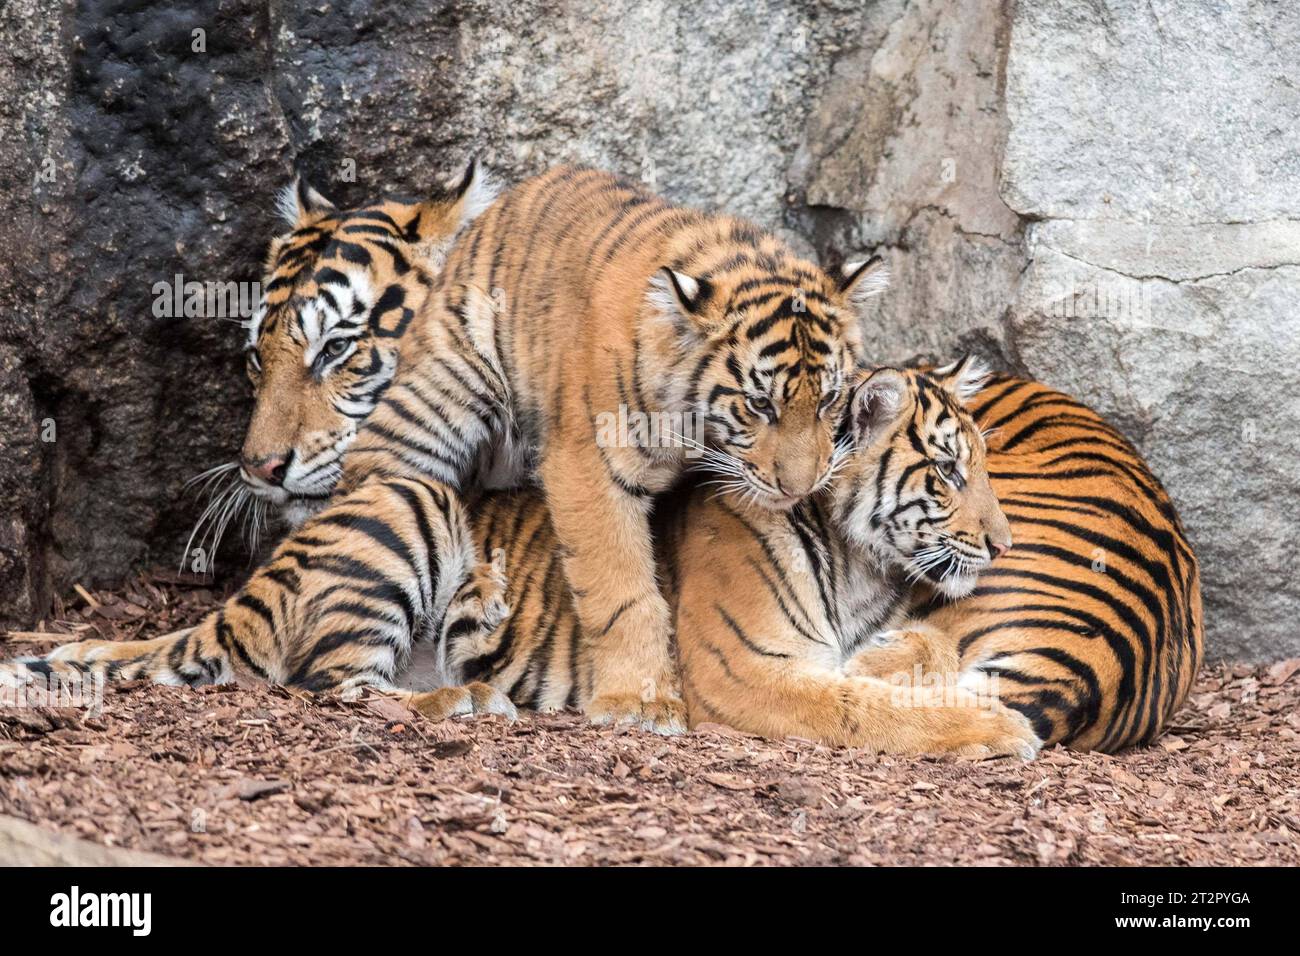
{"x":1092,"y":622}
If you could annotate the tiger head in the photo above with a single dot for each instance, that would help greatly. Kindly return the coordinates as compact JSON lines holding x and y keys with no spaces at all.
{"x":775,"y":340}
{"x":338,"y":290}
{"x":915,"y":490}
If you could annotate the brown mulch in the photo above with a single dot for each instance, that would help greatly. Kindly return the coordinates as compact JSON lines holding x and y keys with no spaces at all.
{"x":255,"y":775}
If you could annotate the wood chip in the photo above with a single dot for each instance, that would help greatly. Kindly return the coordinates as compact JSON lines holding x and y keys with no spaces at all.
{"x":254,"y":775}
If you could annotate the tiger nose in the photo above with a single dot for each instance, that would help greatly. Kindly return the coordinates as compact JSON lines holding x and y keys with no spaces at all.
{"x":998,"y":548}
{"x":270,"y":469}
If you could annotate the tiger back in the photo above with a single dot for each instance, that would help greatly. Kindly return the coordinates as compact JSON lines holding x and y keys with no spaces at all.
{"x":1092,"y":623}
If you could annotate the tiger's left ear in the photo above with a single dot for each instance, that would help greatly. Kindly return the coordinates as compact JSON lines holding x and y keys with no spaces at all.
{"x":878,"y":399}
{"x":299,"y":202}
{"x":475,"y":191}
{"x":680,"y":299}
{"x":964,"y":377}
{"x":863,"y":279}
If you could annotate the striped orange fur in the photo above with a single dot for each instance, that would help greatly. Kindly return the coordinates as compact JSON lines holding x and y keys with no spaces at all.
{"x":1092,"y":623}
{"x":1090,"y":626}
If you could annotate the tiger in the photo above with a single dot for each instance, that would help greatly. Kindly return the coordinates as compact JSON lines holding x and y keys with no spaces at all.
{"x":775,"y":612}
{"x":318,"y":370}
{"x":1091,"y":658}
{"x":575,"y":294}
{"x":340,"y":290}
{"x":1093,"y":624}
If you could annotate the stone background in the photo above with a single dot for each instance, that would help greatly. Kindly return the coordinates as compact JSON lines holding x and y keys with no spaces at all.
{"x":1100,"y":193}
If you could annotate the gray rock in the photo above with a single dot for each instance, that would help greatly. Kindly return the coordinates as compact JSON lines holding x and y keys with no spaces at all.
{"x":1155,"y":144}
{"x":1153,"y":110}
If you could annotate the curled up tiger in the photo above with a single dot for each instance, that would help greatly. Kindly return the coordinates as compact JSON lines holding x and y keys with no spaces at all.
{"x":573,"y":294}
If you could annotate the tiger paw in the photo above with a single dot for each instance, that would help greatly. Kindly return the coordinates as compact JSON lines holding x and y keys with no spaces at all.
{"x":13,"y":676}
{"x":658,"y":713}
{"x":998,"y":731}
{"x":897,"y":655}
{"x":473,"y":698}
{"x":482,"y":598}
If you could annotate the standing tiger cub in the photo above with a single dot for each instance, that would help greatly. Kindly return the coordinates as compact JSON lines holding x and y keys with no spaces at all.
{"x":574,"y":297}
{"x":579,"y":297}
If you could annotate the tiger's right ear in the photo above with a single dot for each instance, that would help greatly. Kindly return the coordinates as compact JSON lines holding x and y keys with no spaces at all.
{"x":680,"y":299}
{"x":298,"y":202}
{"x":878,"y":400}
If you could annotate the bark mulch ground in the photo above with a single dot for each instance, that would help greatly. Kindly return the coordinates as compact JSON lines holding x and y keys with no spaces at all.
{"x":256,"y":775}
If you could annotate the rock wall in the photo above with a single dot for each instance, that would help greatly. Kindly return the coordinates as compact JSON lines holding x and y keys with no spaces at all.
{"x":1091,"y":192}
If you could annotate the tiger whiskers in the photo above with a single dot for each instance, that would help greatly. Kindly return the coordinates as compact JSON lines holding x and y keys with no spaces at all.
{"x":229,"y":497}
{"x":712,"y":458}
{"x":926,"y":559}
{"x":841,"y":454}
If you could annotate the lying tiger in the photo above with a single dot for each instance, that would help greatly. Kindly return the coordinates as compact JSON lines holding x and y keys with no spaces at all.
{"x":777,"y":613}
{"x":574,"y":293}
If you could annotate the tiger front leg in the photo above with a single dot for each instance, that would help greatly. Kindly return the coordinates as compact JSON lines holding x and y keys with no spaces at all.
{"x":911,"y":652}
{"x":604,"y":535}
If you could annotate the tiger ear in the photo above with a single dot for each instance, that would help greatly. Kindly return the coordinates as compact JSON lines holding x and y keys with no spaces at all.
{"x":963,"y":378}
{"x":877,"y":401}
{"x":476,"y":190}
{"x":299,"y":202}
{"x":679,"y":298}
{"x":863,"y":279}
{"x":439,"y":219}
